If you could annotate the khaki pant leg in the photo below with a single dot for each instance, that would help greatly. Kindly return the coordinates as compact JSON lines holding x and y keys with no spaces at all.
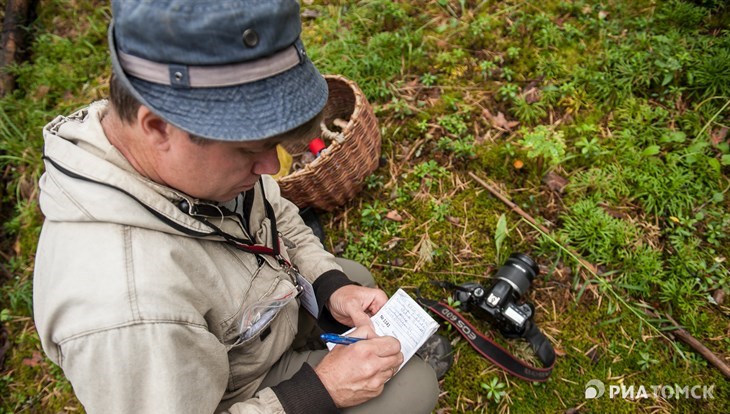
{"x":356,"y":272}
{"x":414,"y":390}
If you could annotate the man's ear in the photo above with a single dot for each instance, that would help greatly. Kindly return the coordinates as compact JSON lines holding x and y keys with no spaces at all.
{"x":156,"y":130}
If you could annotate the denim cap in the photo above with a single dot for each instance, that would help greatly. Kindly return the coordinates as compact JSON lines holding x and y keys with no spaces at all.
{"x":231,"y":70}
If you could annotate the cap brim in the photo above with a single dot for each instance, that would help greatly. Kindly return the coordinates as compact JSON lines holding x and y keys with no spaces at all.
{"x":246,"y":112}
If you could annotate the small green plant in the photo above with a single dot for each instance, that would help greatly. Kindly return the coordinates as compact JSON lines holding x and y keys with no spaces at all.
{"x":646,"y":361}
{"x":528,"y":112}
{"x":589,"y":148}
{"x":362,"y":249}
{"x":374,"y":182}
{"x":544,"y":144}
{"x":428,"y":79}
{"x":400,"y":108}
{"x":685,"y":294}
{"x":440,"y":209}
{"x":5,"y":315}
{"x":549,"y":35}
{"x":495,"y":389}
{"x":372,"y":215}
{"x":603,"y":238}
{"x":487,"y":68}
{"x":509,"y":92}
{"x":461,"y":148}
{"x":588,"y":142}
{"x":507,"y":74}
{"x":454,"y":303}
{"x":429,"y":171}
{"x":500,"y":234}
{"x":454,"y":124}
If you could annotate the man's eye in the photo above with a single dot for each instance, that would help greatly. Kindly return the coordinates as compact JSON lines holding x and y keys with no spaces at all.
{"x":256,"y":151}
{"x":258,"y":148}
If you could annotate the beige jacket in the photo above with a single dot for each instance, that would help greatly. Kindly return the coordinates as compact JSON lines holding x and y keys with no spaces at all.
{"x":135,"y":303}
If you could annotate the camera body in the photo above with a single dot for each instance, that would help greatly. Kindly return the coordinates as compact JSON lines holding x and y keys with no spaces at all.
{"x":499,"y":304}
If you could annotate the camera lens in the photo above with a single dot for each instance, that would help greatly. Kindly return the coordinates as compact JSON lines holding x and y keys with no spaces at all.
{"x":519,"y":270}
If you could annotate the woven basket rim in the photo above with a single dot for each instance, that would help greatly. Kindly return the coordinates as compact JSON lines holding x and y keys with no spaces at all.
{"x":334,"y":147}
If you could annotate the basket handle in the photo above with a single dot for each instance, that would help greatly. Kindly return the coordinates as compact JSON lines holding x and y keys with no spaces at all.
{"x":338,"y":137}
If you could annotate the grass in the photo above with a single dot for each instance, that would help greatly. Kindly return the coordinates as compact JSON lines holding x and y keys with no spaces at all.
{"x":629,"y":102}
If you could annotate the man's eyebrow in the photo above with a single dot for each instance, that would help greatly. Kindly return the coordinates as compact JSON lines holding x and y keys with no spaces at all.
{"x":260,"y":146}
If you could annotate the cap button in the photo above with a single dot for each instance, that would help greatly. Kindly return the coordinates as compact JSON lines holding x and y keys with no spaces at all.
{"x":250,"y":38}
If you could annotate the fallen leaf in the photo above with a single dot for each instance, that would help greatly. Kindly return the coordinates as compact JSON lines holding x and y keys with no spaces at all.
{"x":394,"y":216}
{"x":310,"y":14}
{"x":33,"y":361}
{"x":453,"y":220}
{"x":42,"y":91}
{"x":613,"y":212}
{"x":390,"y":244}
{"x":719,"y":296}
{"x":499,"y":121}
{"x":531,"y":95}
{"x":339,"y":247}
{"x":502,"y":122}
{"x":555,"y":182}
{"x":718,"y":136}
{"x":425,"y":251}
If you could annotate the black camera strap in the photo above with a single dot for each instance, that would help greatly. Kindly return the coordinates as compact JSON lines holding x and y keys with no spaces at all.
{"x":493,"y":351}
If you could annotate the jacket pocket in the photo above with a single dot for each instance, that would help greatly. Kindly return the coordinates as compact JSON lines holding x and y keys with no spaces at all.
{"x":251,"y":357}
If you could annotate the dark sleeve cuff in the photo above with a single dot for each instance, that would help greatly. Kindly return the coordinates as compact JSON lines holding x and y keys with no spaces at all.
{"x":304,"y":393}
{"x":327,"y":283}
{"x":324,"y":287}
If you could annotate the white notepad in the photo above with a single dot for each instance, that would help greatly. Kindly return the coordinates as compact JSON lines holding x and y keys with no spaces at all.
{"x":403,"y":318}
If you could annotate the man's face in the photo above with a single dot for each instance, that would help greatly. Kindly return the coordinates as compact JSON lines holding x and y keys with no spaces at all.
{"x":216,"y":170}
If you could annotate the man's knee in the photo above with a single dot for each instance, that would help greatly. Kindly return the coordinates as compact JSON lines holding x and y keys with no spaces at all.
{"x":356,"y":272}
{"x":420,"y":381}
{"x":414,"y":390}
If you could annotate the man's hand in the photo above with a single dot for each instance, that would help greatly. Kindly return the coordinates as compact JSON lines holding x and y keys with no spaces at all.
{"x":353,"y":305}
{"x":353,"y":374}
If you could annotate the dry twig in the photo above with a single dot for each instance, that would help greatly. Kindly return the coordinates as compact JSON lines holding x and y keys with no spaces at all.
{"x":527,"y":217}
{"x":695,"y":344}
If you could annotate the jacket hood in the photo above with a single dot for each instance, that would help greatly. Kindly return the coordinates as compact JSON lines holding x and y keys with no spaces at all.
{"x":88,"y":180}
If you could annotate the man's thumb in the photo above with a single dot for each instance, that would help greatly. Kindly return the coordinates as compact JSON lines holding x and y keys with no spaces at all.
{"x":361,"y":318}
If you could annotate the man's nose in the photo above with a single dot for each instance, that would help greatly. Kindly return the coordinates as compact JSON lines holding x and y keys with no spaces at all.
{"x":266,"y":162}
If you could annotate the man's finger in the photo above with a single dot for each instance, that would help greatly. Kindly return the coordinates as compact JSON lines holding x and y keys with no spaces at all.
{"x":360,"y":318}
{"x":388,"y":346}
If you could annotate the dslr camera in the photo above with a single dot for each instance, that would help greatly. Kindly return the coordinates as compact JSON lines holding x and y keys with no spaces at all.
{"x":499,"y":304}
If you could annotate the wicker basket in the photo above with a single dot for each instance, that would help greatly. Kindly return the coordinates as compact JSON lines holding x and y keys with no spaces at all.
{"x":337,"y":175}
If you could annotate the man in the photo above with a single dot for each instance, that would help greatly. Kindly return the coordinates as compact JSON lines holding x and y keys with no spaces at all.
{"x":170,"y":272}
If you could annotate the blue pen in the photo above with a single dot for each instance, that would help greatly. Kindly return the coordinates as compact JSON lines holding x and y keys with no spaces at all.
{"x":339,"y":339}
